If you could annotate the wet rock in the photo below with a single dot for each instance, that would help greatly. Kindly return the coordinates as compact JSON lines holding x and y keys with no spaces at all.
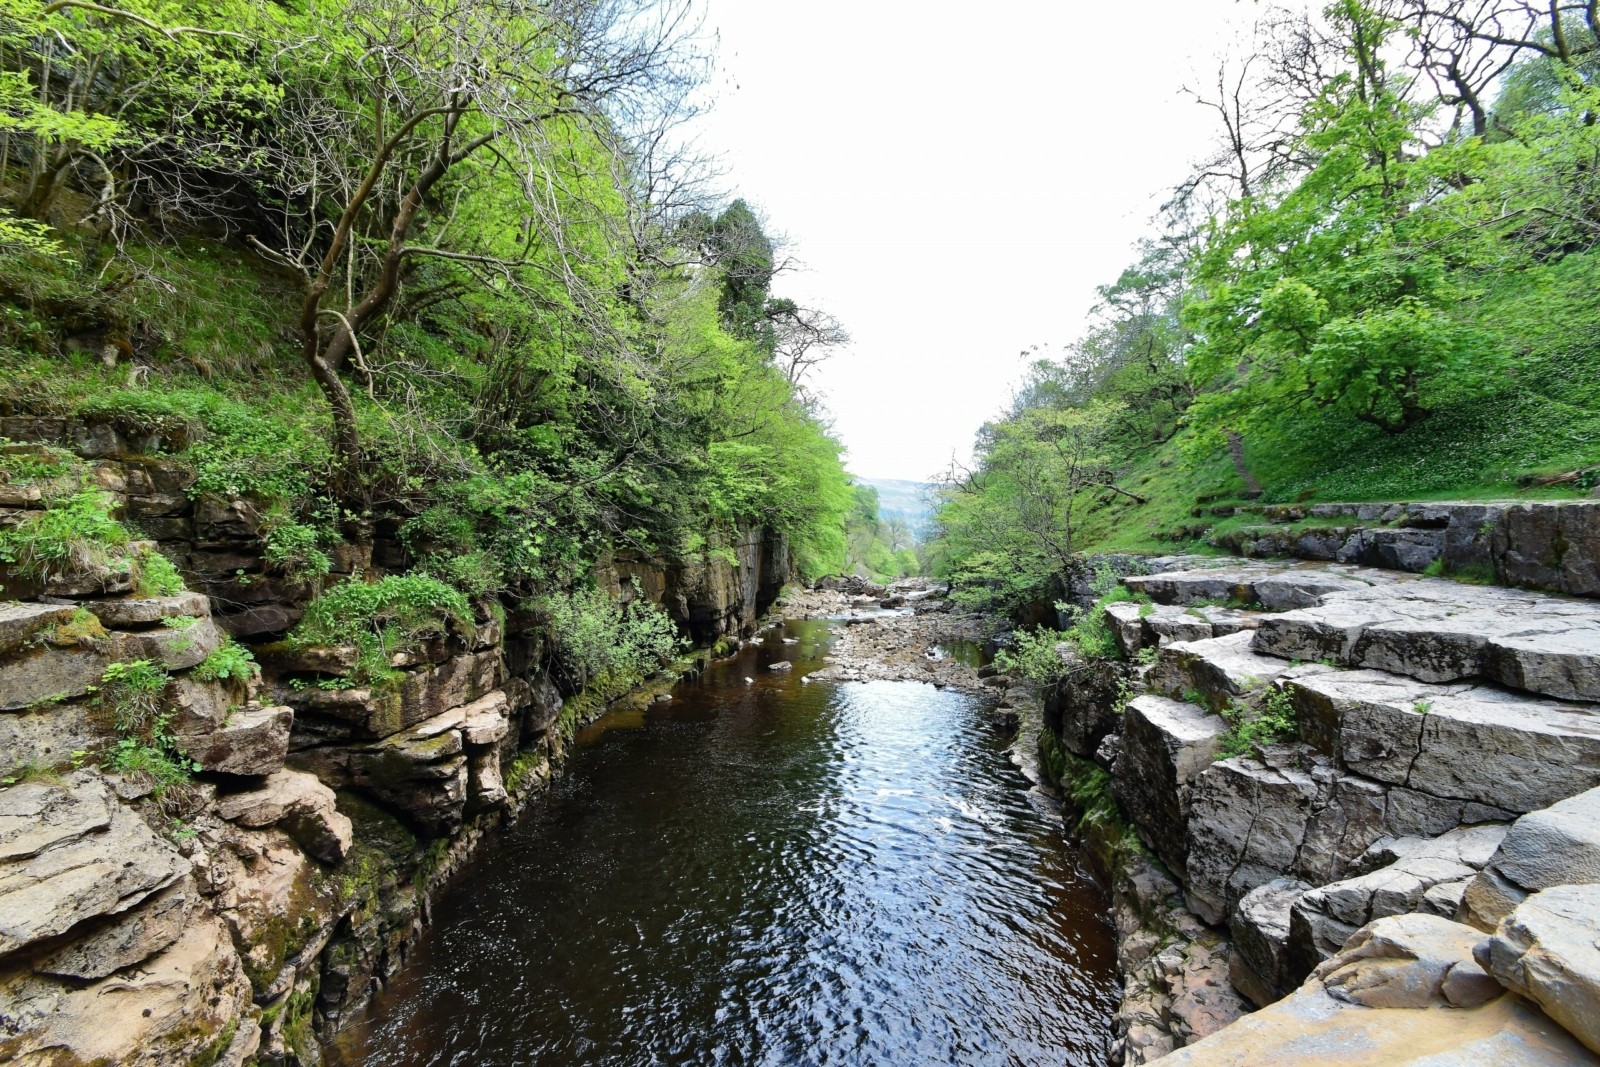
{"x":1546,"y":950}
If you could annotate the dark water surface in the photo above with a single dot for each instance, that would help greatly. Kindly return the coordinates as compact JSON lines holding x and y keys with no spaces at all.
{"x":767,"y":872}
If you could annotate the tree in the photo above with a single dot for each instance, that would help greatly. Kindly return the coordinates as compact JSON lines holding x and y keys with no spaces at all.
{"x":439,"y":105}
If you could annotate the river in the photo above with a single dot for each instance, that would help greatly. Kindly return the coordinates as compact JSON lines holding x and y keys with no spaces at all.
{"x":765,"y":871}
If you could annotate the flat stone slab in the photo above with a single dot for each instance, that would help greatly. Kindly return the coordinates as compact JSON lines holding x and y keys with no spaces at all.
{"x":1464,"y":741}
{"x":1441,"y":631}
{"x":148,"y":611}
{"x":1223,"y":669}
{"x":1138,"y":626}
{"x":1274,"y":586}
{"x":20,"y":622}
{"x":72,"y":853}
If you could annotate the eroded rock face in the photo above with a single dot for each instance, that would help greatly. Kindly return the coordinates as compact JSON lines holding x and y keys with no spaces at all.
{"x":1558,"y":845}
{"x":1468,"y":742}
{"x":70,"y":854}
{"x":1166,"y":744}
{"x":299,"y":804}
{"x":173,"y":1008}
{"x":1382,"y":1000}
{"x":1548,"y":950}
{"x":1425,"y":876}
{"x":1259,"y":924}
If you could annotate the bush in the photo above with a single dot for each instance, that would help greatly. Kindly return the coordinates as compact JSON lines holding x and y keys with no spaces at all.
{"x":1035,"y":657}
{"x":292,"y":547}
{"x":1251,"y":730}
{"x":602,"y":638}
{"x":72,"y":535}
{"x":230,"y":662}
{"x":380,"y":617}
{"x":154,"y":575}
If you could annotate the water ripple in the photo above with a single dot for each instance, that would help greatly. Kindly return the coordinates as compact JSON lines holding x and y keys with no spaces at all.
{"x":766,"y":874}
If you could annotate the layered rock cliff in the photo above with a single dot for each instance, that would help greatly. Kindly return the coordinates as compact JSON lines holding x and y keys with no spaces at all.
{"x":1286,"y":752}
{"x":234,"y":903}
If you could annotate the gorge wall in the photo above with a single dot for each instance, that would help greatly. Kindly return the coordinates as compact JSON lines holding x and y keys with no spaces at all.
{"x":1361,"y":799}
{"x":237,"y":915}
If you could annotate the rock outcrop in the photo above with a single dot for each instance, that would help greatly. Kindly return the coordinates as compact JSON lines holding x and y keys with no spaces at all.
{"x":1428,"y":752}
{"x":230,"y":867}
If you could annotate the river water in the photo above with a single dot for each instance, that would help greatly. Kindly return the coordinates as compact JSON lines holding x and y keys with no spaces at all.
{"x":767,"y":872}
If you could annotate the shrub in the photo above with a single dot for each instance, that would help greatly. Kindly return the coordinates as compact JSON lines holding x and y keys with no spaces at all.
{"x":292,"y":547}
{"x":154,"y":575}
{"x":71,"y":535}
{"x":607,"y":639}
{"x":380,"y":617}
{"x":133,"y":692}
{"x":1251,"y":730}
{"x":1034,"y":656}
{"x":230,"y":662}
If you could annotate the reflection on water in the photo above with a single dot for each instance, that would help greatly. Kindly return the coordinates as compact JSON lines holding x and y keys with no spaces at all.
{"x":767,"y":872}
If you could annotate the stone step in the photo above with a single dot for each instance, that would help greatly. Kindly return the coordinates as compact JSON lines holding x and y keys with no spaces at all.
{"x":1221,"y":670}
{"x":1269,"y":585}
{"x":1138,"y":626}
{"x":1462,"y":741}
{"x":1428,"y":876}
{"x":1441,"y":631}
{"x":1551,"y":545}
{"x":1558,"y":845}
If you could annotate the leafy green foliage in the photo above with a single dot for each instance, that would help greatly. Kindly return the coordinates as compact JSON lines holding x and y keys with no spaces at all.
{"x":155,"y":575}
{"x":1388,"y":308}
{"x":609,"y":643}
{"x":1251,"y":729}
{"x":71,"y":535}
{"x":230,"y":662}
{"x":1033,"y":655}
{"x":380,"y":617}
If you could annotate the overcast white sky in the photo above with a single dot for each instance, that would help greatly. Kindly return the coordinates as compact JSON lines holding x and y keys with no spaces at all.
{"x":957,"y":179}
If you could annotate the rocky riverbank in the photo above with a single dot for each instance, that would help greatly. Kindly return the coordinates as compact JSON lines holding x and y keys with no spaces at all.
{"x":209,"y":856}
{"x":1349,"y":814}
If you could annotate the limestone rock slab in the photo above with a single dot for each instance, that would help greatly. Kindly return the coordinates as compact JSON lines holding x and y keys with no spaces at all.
{"x":297,"y":803}
{"x":70,"y":853}
{"x":1548,"y":950}
{"x":1166,"y":744}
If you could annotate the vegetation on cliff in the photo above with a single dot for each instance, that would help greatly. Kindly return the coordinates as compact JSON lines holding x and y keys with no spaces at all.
{"x":1383,"y":285}
{"x":433,"y":269}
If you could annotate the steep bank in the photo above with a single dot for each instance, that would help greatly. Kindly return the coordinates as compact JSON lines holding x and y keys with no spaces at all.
{"x":207,"y":864}
{"x":1359,"y":778}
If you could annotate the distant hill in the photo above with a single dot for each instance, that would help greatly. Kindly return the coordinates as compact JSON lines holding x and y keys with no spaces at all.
{"x":897,"y":496}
